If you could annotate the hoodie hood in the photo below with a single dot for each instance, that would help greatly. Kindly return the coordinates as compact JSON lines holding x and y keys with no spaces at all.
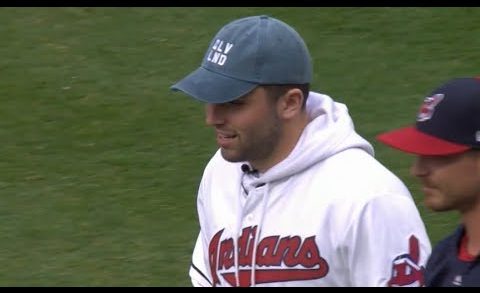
{"x":329,"y":131}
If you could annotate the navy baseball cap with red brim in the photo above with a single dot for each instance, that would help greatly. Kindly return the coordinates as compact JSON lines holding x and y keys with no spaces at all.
{"x":448,"y":122}
{"x":413,"y":141}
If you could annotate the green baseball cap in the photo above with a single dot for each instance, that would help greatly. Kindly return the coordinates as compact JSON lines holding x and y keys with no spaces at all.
{"x":245,"y":53}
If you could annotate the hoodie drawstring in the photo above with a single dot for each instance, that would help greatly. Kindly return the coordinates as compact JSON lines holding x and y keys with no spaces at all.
{"x":238,"y":229}
{"x":266,"y":193}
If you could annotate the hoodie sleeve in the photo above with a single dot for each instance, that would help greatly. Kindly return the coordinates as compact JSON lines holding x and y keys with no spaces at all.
{"x":389,"y":244}
{"x":198,"y":269}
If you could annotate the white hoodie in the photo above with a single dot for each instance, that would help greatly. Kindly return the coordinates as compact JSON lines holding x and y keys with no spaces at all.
{"x":327,"y":215}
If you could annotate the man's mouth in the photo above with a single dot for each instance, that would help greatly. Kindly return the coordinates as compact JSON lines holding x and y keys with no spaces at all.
{"x":224,"y":140}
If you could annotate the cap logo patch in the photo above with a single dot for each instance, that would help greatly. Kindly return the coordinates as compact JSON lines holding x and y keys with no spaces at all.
{"x":428,"y":107}
{"x":218,"y":53}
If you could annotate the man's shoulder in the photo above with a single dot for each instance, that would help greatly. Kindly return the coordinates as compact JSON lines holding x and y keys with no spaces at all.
{"x":361,"y":173}
{"x":219,"y":166}
{"x":360,"y":164}
{"x":448,"y":243}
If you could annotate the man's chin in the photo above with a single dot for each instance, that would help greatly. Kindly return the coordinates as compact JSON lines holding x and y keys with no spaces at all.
{"x":436,"y":206}
{"x":231,"y":156}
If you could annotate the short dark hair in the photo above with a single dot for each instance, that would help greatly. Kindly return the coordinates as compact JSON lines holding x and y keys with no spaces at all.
{"x":275,"y":91}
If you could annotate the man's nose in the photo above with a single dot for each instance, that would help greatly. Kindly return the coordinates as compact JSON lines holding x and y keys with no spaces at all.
{"x":419,"y":168}
{"x":213,"y":114}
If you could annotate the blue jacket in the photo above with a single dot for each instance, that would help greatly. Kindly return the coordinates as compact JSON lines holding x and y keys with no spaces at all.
{"x":444,"y":269}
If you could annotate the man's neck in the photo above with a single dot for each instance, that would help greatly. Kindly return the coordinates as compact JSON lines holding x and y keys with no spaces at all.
{"x":470,"y":220}
{"x":291,"y":135}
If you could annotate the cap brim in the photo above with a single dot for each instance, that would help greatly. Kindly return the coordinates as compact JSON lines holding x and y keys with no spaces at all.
{"x":410,"y":140}
{"x":211,"y":87}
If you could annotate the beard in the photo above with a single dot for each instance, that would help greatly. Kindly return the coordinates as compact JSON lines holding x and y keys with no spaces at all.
{"x":256,"y":143}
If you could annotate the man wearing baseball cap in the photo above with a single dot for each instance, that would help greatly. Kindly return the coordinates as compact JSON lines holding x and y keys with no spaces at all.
{"x":293,"y":196}
{"x":446,"y":142}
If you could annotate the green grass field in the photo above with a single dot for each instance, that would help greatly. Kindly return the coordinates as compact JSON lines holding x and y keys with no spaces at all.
{"x":101,"y":162}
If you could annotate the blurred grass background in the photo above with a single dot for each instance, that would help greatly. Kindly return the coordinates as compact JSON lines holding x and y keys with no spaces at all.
{"x":101,"y":162}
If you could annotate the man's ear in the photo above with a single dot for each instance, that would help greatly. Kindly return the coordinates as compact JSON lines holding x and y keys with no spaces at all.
{"x":290,"y":104}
